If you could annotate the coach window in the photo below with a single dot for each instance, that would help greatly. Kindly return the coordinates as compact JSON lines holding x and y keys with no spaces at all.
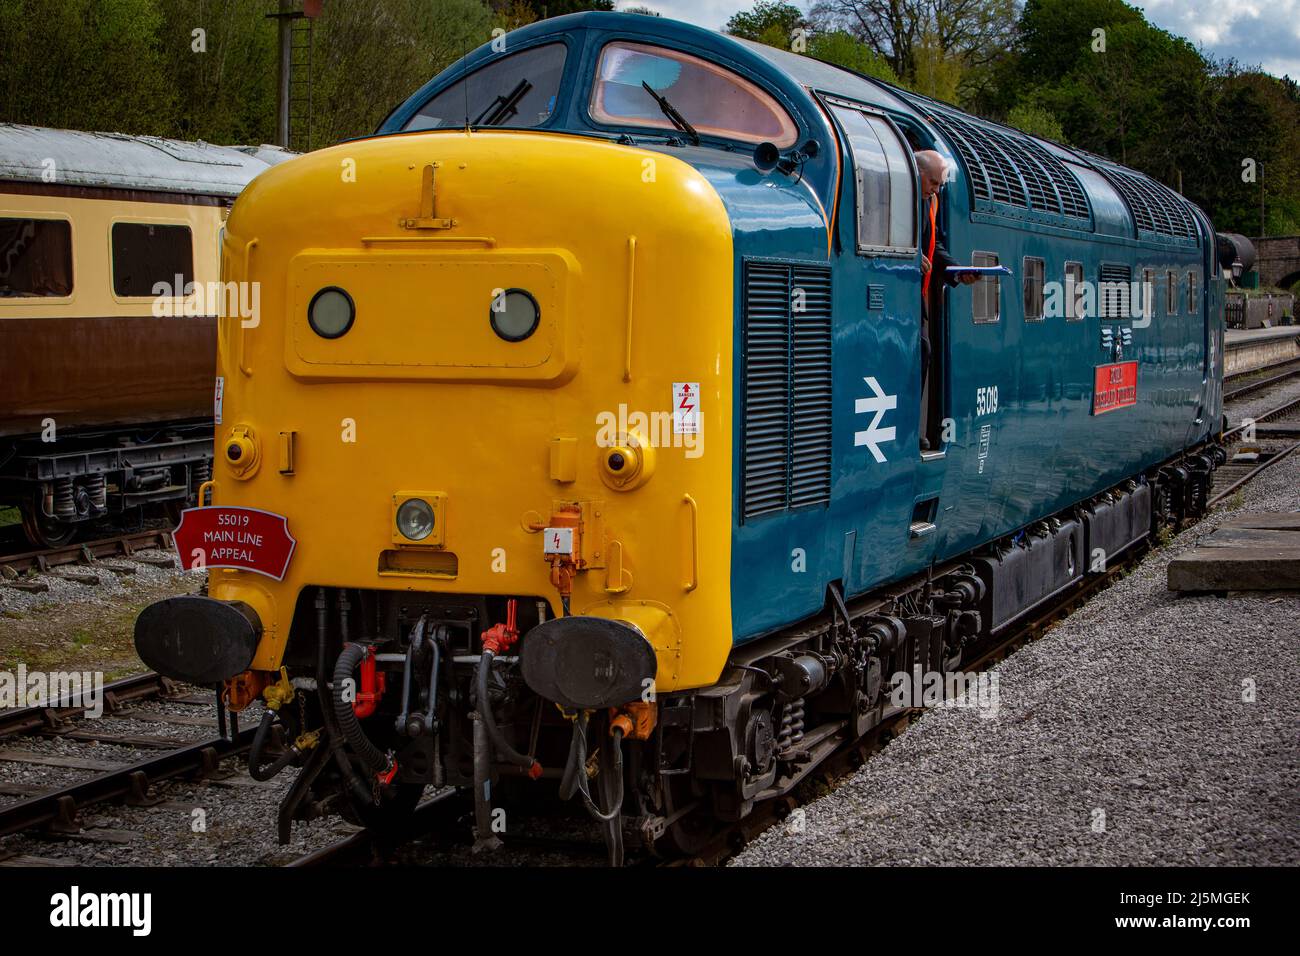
{"x":1073,"y":291}
{"x":1148,"y":294}
{"x":35,"y":258}
{"x":1035,"y":270}
{"x":886,"y":184}
{"x":1192,"y":308}
{"x":516,"y":90}
{"x":1171,"y":293}
{"x":986,"y":294}
{"x":146,"y":254}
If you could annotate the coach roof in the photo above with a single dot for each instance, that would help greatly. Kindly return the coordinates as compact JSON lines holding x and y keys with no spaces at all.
{"x":34,"y":154}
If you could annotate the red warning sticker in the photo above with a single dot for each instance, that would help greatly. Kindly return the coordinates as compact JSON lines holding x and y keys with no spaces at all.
{"x":228,"y":537}
{"x":1115,"y":386}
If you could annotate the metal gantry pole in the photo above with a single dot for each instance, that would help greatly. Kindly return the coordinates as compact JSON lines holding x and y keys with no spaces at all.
{"x":285,"y":24}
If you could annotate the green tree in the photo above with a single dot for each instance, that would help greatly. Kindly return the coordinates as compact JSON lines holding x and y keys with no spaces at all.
{"x":1053,"y":36}
{"x":973,"y":34}
{"x":936,"y":71}
{"x":771,"y":21}
{"x":85,"y":64}
{"x":1036,"y":121}
{"x":1117,"y":85}
{"x":839,"y":47}
{"x":223,"y":58}
{"x":366,"y":64}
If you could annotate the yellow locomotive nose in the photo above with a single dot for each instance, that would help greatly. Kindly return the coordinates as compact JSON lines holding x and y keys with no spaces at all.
{"x":451,"y":326}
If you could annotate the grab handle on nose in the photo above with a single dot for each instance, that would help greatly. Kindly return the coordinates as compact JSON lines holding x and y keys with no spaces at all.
{"x":248,"y":254}
{"x":694,"y":581}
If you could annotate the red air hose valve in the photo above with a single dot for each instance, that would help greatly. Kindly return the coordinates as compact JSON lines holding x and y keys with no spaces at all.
{"x":501,"y":637}
{"x":371,"y":688}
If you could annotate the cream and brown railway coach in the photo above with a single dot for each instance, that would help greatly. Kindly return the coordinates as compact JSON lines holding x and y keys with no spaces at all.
{"x":109,"y":260}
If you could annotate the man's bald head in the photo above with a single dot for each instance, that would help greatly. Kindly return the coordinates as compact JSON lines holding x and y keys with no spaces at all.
{"x":933,"y":169}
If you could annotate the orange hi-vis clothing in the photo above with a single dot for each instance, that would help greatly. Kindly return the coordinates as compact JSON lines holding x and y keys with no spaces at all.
{"x":933,"y":205}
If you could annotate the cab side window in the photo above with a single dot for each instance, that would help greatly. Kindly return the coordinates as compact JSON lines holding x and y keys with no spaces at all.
{"x":1074,"y":291}
{"x":1035,"y":270}
{"x":986,"y":294}
{"x":886,"y":183}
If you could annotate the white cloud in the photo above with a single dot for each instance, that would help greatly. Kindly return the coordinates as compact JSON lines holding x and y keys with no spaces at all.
{"x":1254,"y":33}
{"x":703,"y":13}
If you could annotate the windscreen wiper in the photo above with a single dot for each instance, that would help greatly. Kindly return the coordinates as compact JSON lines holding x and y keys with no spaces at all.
{"x":674,"y":117}
{"x":503,"y":107}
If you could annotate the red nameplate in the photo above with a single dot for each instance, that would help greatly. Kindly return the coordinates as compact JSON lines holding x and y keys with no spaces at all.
{"x":1115,"y":386}
{"x":242,"y":538}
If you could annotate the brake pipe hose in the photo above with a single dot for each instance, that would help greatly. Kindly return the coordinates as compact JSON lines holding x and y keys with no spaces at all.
{"x":575,"y":771}
{"x":255,"y":768}
{"x":346,"y":770}
{"x":372,"y":758}
{"x":499,"y":743}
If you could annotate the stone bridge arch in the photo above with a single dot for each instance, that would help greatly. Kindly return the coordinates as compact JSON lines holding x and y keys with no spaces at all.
{"x":1278,"y":260}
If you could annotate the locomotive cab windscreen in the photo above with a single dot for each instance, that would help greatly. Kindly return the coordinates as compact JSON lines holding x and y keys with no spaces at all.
{"x":518,"y":90}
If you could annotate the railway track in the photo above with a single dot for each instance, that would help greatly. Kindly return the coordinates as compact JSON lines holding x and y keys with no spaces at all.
{"x":1255,"y":446}
{"x":59,"y":811}
{"x":1260,"y":378}
{"x":89,"y":552}
{"x":56,"y":716}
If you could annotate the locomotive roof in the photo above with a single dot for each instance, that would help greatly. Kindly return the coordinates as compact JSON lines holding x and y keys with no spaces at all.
{"x":115,"y":160}
{"x":1009,"y":172}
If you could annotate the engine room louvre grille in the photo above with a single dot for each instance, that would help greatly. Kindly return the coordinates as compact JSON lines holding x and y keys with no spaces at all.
{"x":810,"y":418}
{"x":786,"y":443}
{"x":1010,"y":168}
{"x":1155,"y":208}
{"x":1114,"y":291}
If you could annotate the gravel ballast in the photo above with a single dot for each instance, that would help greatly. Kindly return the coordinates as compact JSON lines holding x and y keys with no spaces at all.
{"x":1125,"y":736}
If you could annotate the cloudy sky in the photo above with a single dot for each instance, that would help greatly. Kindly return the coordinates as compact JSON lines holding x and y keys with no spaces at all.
{"x":1255,"y":32}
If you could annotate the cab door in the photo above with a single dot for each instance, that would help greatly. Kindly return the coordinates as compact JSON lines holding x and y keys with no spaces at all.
{"x":884,"y":359}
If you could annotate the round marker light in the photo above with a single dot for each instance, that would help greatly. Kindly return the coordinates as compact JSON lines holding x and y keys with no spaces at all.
{"x":415,"y":519}
{"x":515,"y":315}
{"x":331,"y":312}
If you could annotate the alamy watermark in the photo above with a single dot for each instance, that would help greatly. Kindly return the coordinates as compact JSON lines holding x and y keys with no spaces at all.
{"x":242,"y":300}
{"x":23,"y":688}
{"x":681,"y":428}
{"x":946,"y":689}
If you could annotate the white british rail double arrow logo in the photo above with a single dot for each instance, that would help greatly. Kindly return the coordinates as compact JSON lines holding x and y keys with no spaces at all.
{"x":878,"y":403}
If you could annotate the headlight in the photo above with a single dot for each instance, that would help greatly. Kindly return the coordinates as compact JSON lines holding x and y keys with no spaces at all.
{"x":515,"y":315}
{"x":415,"y":519}
{"x":331,"y":312}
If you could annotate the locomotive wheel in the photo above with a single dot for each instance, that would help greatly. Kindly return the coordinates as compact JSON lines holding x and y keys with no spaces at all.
{"x":45,"y":532}
{"x":691,"y":833}
{"x":394,"y":809}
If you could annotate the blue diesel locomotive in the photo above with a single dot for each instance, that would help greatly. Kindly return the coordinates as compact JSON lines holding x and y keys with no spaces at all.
{"x":877,"y":517}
